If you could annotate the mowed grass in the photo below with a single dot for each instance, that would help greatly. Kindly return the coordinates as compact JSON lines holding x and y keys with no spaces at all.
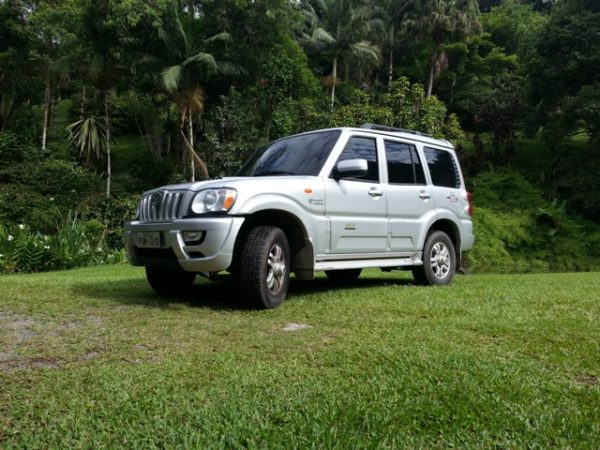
{"x":93,"y":358}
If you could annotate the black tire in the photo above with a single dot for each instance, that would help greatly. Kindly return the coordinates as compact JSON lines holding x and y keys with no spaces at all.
{"x":439,"y":261}
{"x":343,"y":276}
{"x":264,"y":269}
{"x":168,"y":282}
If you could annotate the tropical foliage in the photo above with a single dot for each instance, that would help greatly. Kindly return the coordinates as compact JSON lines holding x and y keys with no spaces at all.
{"x":102,"y":99}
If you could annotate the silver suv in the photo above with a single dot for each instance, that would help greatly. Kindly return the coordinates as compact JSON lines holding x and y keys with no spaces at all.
{"x":336,"y":200}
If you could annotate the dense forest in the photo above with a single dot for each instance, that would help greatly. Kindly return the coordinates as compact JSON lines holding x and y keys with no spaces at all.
{"x":102,"y":99}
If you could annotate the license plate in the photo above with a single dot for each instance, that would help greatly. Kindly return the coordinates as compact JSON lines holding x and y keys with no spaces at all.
{"x":147,"y":239}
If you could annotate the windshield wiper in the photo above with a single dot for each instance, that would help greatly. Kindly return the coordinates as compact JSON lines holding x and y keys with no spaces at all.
{"x":272,"y":172}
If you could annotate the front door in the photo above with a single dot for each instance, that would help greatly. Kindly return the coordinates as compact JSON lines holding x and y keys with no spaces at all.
{"x":356,"y":207}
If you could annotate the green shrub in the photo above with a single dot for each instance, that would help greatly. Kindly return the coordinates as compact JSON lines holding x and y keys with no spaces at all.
{"x":74,"y":243}
{"x":504,"y":190}
{"x":51,"y":177}
{"x":16,"y":148}
{"x":517,"y":230}
{"x":110,"y":214}
{"x":19,"y":204}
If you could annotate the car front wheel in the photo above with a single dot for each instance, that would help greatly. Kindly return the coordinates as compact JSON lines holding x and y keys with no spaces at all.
{"x":264,"y":270}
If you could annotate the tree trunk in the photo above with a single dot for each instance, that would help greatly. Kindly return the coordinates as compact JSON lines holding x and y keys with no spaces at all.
{"x":194,"y":158}
{"x":108,"y":156}
{"x":334,"y":76}
{"x":83,"y":100}
{"x":191,"y":140}
{"x":431,"y":74}
{"x":47,"y":96}
{"x":391,"y":61}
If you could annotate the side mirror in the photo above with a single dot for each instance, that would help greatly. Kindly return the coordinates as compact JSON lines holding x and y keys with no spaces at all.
{"x":351,"y":168}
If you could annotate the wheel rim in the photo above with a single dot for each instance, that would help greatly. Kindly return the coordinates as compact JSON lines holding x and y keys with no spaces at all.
{"x":276,"y":269}
{"x":440,"y":260}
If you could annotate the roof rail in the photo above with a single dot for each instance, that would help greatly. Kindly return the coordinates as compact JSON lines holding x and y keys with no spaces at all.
{"x":373,"y":126}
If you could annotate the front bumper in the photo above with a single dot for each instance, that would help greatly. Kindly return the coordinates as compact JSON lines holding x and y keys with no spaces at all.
{"x":213,"y":253}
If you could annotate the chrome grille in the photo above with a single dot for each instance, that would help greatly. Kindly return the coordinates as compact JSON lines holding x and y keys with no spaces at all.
{"x":160,"y":206}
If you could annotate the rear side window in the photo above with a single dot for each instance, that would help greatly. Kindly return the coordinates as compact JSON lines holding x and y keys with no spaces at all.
{"x":363,"y":148}
{"x":442,"y":167}
{"x":403,"y":163}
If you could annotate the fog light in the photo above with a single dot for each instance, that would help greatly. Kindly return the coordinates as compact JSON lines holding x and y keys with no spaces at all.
{"x":193,"y":237}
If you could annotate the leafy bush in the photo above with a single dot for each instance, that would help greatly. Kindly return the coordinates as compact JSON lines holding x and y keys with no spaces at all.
{"x":504,"y":190}
{"x":51,"y":177}
{"x":110,"y":214}
{"x":19,"y":204}
{"x":75,"y":243}
{"x":517,"y":230}
{"x":15,"y":148}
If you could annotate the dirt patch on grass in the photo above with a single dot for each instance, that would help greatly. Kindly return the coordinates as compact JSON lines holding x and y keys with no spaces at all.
{"x":21,"y":326}
{"x":589,"y":380}
{"x":28,"y":364}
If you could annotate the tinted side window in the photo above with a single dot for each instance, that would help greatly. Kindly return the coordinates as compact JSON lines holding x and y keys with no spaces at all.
{"x":442,"y":168}
{"x":363,"y":148}
{"x":404,"y":166}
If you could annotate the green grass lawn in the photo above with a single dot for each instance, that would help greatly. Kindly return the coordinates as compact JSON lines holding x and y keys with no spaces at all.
{"x":92,"y":358}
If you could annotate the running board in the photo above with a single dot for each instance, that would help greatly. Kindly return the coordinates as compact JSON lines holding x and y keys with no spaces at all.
{"x":367,"y":263}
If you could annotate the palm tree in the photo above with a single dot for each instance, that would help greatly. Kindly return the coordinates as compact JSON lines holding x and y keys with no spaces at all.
{"x":338,"y":28}
{"x":105,"y":69}
{"x":391,"y":17}
{"x":443,"y":20}
{"x":89,"y":138}
{"x":185,"y":62}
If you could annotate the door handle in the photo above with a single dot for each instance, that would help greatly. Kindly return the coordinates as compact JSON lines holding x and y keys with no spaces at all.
{"x":374,"y":192}
{"x":423,"y":195}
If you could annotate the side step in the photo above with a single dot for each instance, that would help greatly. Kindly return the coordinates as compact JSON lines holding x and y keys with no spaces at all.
{"x":368,"y":263}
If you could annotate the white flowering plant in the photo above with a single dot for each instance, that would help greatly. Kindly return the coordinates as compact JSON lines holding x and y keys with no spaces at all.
{"x":74,"y":243}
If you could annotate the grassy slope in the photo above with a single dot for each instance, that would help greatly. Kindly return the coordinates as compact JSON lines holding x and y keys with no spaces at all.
{"x":93,"y":358}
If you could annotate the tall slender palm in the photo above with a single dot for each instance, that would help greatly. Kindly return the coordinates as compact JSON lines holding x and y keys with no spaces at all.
{"x":105,"y":69}
{"x":442,"y":21}
{"x":185,"y":63}
{"x":338,"y":30}
{"x":391,"y":17}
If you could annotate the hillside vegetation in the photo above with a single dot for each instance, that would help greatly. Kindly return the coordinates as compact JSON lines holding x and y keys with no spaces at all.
{"x":102,"y":99}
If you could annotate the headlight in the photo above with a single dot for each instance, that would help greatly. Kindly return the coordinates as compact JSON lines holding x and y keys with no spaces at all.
{"x":214,"y":200}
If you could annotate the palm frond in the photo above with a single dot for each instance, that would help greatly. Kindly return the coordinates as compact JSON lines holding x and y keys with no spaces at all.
{"x":167,"y":40}
{"x":367,"y":49}
{"x":171,"y":77}
{"x":220,"y":37}
{"x":205,"y":60}
{"x":322,"y":35}
{"x":229,"y":68}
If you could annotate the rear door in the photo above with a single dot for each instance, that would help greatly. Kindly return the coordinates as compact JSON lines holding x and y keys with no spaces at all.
{"x":446,"y":180}
{"x":356,"y":207}
{"x":408,"y":196}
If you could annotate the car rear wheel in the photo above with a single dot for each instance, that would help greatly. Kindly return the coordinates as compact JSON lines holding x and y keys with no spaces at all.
{"x":439,"y":260}
{"x":264,"y":269}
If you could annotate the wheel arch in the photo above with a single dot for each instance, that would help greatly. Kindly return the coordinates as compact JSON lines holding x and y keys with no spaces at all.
{"x":301,"y":248}
{"x":453,"y":232}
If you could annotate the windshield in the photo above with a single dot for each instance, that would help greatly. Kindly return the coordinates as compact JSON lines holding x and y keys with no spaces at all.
{"x":297,"y":155}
